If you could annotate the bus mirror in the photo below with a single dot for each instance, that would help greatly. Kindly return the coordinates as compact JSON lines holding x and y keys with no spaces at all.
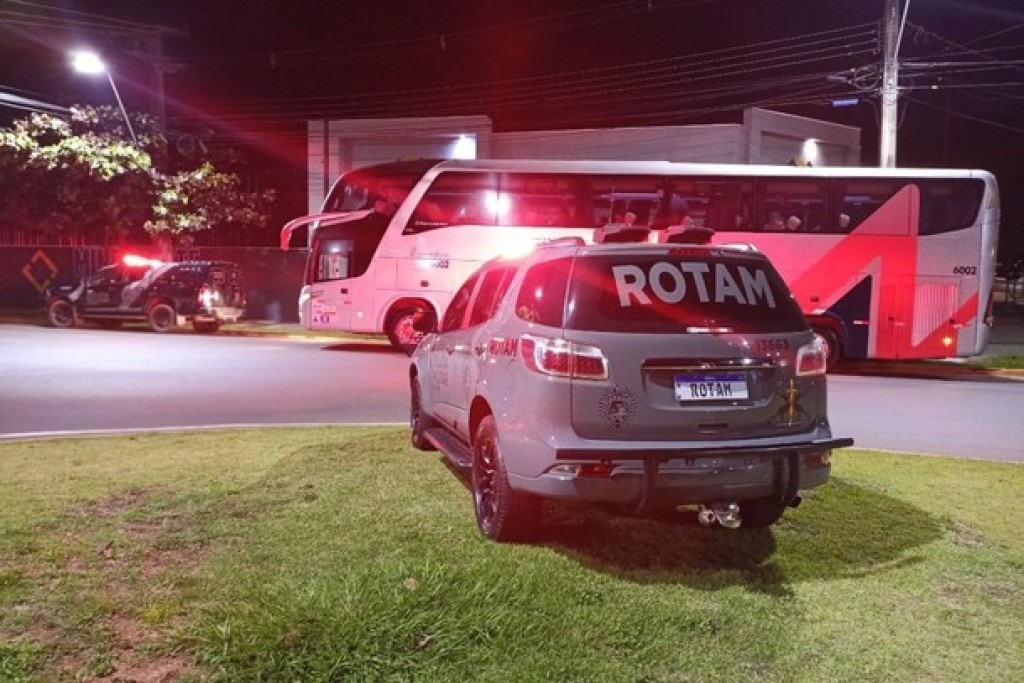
{"x":424,"y":321}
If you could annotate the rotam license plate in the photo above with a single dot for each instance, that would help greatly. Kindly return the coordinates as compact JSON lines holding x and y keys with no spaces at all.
{"x":711,"y":387}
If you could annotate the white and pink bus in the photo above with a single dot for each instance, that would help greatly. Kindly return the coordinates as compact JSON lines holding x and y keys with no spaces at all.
{"x":885,"y":263}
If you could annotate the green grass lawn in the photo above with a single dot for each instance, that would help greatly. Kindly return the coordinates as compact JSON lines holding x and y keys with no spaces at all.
{"x":341,"y":554}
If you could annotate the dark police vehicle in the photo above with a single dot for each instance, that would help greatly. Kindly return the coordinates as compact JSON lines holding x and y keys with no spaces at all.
{"x":163,"y":295}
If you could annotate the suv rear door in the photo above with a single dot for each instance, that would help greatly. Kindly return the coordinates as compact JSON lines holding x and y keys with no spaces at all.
{"x":468,"y":346}
{"x":700,"y":344}
{"x":225,"y":278}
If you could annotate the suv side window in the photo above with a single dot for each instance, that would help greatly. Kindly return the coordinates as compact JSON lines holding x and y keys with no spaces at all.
{"x":104,"y":276}
{"x":457,"y":308}
{"x":493,"y":288}
{"x":542,"y":295}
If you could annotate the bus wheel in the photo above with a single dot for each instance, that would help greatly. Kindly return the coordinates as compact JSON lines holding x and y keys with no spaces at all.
{"x":833,"y":349}
{"x":400,"y":331}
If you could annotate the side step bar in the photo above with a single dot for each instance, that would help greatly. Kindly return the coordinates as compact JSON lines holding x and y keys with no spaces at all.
{"x":455,"y":450}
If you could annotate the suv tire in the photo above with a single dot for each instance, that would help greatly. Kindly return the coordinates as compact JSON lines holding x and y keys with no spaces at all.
{"x":760,"y":513}
{"x":502,"y":513}
{"x":161,"y":317}
{"x":206,"y":326}
{"x":834,"y":347}
{"x":418,"y":421}
{"x":61,"y":313}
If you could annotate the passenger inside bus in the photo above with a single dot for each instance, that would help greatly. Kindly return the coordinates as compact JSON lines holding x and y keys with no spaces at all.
{"x":688,"y":233}
{"x":775,"y":222}
{"x":697,"y":234}
{"x":622,"y":228}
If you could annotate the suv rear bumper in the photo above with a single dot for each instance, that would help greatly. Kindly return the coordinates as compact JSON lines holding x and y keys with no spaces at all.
{"x":682,"y":476}
{"x":664,"y":455}
{"x":224,"y":314}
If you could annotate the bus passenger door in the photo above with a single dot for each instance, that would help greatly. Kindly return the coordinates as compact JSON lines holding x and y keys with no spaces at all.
{"x":330,"y":306}
{"x":329,"y":299}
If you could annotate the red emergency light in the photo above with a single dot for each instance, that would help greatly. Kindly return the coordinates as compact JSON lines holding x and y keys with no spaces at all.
{"x":136,"y":261}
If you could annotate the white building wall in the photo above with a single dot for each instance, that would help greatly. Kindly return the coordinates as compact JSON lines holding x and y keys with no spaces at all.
{"x":709,"y":143}
{"x":776,"y":138}
{"x":340,"y":145}
{"x":765,"y":137}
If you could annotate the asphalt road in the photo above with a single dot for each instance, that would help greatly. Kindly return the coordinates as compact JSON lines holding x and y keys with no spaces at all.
{"x":89,"y":379}
{"x":68,"y":381}
{"x":977,"y":418}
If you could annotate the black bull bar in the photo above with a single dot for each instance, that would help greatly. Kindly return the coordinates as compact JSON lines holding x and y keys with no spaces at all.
{"x":786,"y":462}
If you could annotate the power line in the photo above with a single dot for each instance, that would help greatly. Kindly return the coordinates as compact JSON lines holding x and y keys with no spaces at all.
{"x":443,"y":41}
{"x":48,"y":16}
{"x":14,"y":101}
{"x":722,"y":64}
{"x":963,"y":115}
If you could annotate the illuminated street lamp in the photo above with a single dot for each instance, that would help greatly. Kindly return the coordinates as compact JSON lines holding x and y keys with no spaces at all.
{"x":88,"y":62}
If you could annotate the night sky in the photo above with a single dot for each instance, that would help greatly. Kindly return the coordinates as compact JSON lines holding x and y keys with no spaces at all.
{"x":256,"y":70}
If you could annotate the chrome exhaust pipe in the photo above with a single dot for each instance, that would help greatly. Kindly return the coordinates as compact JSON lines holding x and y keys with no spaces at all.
{"x":726,"y":514}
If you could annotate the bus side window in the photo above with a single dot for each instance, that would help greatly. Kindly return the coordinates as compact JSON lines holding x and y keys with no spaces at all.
{"x":454,"y":199}
{"x":537,"y":200}
{"x":426,"y":216}
{"x":722,"y":204}
{"x":857,"y":200}
{"x":613,"y":197}
{"x":949,"y":204}
{"x":794,"y":205}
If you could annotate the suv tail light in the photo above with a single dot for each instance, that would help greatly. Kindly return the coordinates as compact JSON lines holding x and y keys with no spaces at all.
{"x":207,"y":296}
{"x":562,"y":358}
{"x":812,"y":358}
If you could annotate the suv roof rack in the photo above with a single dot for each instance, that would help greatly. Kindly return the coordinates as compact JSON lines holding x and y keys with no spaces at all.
{"x":573,"y":241}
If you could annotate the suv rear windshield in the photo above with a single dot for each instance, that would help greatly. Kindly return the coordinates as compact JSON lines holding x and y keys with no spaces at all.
{"x":661,"y":293}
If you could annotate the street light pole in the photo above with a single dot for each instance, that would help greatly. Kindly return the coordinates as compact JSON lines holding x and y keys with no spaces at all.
{"x":90,"y":63}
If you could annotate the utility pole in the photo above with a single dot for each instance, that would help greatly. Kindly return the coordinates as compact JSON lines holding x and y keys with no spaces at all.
{"x":158,"y":66}
{"x":892,"y":31}
{"x":149,"y":50}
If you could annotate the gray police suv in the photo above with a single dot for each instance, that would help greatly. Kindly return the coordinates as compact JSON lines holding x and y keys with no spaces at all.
{"x":647,"y":375}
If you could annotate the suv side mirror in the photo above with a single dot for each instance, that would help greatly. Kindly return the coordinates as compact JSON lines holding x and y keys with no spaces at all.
{"x":424,"y":321}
